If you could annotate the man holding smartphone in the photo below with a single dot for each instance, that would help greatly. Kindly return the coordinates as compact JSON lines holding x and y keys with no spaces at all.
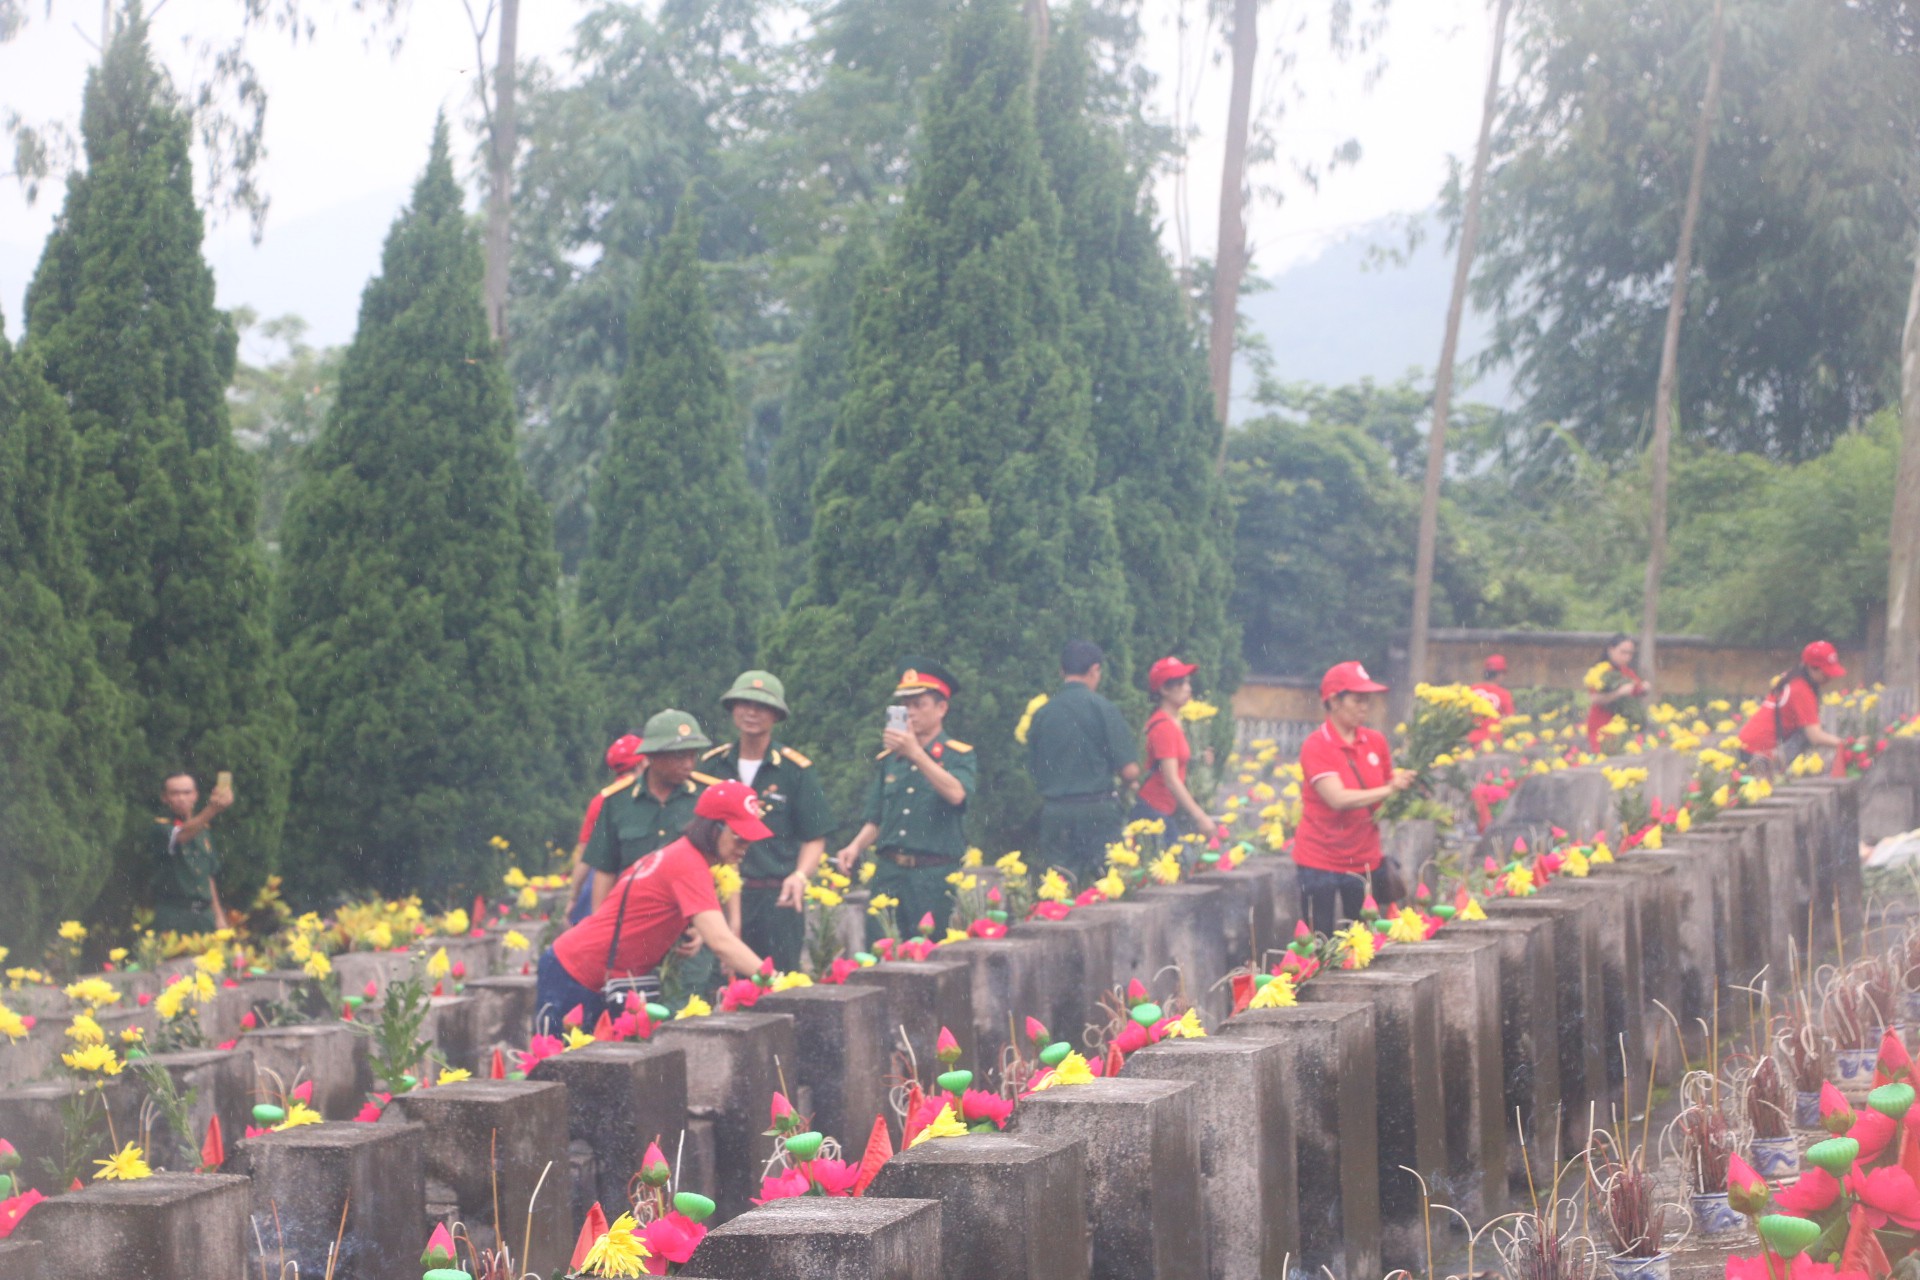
{"x":916,"y":808}
{"x":186,"y":899}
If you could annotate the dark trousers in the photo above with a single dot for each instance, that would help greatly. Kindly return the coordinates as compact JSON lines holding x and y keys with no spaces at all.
{"x":922,"y":891}
{"x":772,"y":930}
{"x":1074,"y":835}
{"x":556,"y":992}
{"x":1329,"y":897}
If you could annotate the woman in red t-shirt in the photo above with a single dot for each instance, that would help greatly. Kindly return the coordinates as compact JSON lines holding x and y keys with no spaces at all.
{"x":1614,"y":688}
{"x":1788,"y":719}
{"x":1348,"y":770}
{"x":1164,"y":794}
{"x":649,"y":907}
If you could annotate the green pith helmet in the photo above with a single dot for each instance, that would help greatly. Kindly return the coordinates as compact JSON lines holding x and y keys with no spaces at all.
{"x":762,"y":687}
{"x":672,"y":730}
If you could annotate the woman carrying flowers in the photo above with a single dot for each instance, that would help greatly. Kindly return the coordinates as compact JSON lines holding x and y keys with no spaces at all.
{"x":1614,"y":688}
{"x":1348,"y":770}
{"x":649,"y":906}
{"x":1788,"y":718}
{"x":1164,"y":794}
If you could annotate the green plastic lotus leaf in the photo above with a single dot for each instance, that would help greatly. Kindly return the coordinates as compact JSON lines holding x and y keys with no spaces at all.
{"x":1056,"y":1053}
{"x":805,"y":1146}
{"x":1445,"y":911}
{"x":1146,"y":1014}
{"x":6,"y":1185}
{"x":694,"y":1205}
{"x":1261,"y":979}
{"x":1786,"y":1235}
{"x":866,"y":959}
{"x":658,"y":1012}
{"x":446,"y":1273}
{"x":1835,"y":1155}
{"x":997,"y":916}
{"x":266,"y":1113}
{"x":955,"y":1082}
{"x":1892,"y":1100}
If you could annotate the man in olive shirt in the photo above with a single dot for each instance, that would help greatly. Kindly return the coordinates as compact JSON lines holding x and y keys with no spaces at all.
{"x":1077,"y":746}
{"x":773,"y":894}
{"x":916,"y":808}
{"x":186,"y":899}
{"x":649,"y":814}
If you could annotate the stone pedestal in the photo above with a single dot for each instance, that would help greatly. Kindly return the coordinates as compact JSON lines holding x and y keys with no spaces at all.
{"x":1333,"y":1089}
{"x":24,"y":1259}
{"x":307,"y":1180}
{"x":1466,"y":969}
{"x":494,"y":1142}
{"x":356,"y":969}
{"x":221,"y":1084}
{"x":1009,"y":1207}
{"x":1143,"y":1172}
{"x":1889,"y":793}
{"x":819,"y":1238}
{"x":1663,"y":965}
{"x":1248,"y":916}
{"x":1141,"y":941}
{"x":1578,"y":1001}
{"x":1529,"y":1042}
{"x":1692,"y":963}
{"x":172,"y":1225}
{"x":30,"y":1118}
{"x":734,"y":1063}
{"x":1086,"y":961}
{"x":1197,"y":938}
{"x":1766,"y":840}
{"x":1245,"y":1123}
{"x":620,"y":1097}
{"x":506,"y":1011}
{"x":1835,"y":854}
{"x":1412,"y":1105}
{"x":1578,"y":801}
{"x":840,"y":1055}
{"x":457,"y":1032}
{"x":331,"y":1054}
{"x":1014,"y":977}
{"x":922,"y":997}
{"x":1612,"y":922}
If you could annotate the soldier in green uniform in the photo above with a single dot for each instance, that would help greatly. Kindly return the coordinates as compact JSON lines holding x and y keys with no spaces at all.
{"x":917,"y":805}
{"x":1077,"y":745}
{"x":186,"y":899}
{"x":776,"y":871}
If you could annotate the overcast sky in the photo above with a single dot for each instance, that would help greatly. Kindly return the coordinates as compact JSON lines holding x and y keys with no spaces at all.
{"x":348,"y":126}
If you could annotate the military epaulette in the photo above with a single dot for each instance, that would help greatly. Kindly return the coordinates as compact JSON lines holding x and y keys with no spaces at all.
{"x":704,"y":779}
{"x":959,"y":746}
{"x":720,"y":750}
{"x":614,"y":788}
{"x":883,"y":755}
{"x":796,"y":757}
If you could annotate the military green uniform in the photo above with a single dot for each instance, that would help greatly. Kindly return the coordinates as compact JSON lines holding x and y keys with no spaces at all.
{"x":922,"y":837}
{"x":182,"y":900}
{"x":1076,"y":746}
{"x":794,"y":806}
{"x":633,"y":823}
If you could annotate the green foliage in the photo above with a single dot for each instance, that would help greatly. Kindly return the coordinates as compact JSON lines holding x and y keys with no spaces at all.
{"x":122,"y":312}
{"x":418,"y":605}
{"x":398,"y":1047}
{"x":678,"y":578}
{"x":1804,"y":244}
{"x":956,"y":512}
{"x":62,"y":722}
{"x":1151,"y":414}
{"x":279,"y":407}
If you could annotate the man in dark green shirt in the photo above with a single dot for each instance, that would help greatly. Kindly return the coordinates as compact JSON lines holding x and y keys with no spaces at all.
{"x":916,"y":809}
{"x":650,"y":814}
{"x":186,"y":899}
{"x":773,"y":894}
{"x":1078,"y":745}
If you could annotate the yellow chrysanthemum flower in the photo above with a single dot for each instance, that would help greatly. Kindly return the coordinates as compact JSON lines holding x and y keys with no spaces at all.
{"x":1520,"y":882}
{"x":695,"y":1007}
{"x":515,"y":878}
{"x":620,"y":1252}
{"x":85,"y":1030}
{"x":1577,"y":865}
{"x":438,"y":966}
{"x":93,"y":992}
{"x":298,"y":1114}
{"x":578,"y":1039}
{"x":1277,"y":994}
{"x":1407,"y":927}
{"x":1053,"y":887}
{"x":93,"y":1057}
{"x":128,"y":1164}
{"x":73,"y":931}
{"x":514,"y":940}
{"x":944,"y":1125}
{"x":211,"y":962}
{"x":1472,"y":911}
{"x":790,"y":980}
{"x":1186,"y":1027}
{"x":726,"y":881}
{"x":1358,"y":941}
{"x":12,"y":1025}
{"x":454,"y":1075}
{"x":973,"y":858}
{"x":1111,"y":885}
{"x":1073,"y":1069}
{"x":318,"y":966}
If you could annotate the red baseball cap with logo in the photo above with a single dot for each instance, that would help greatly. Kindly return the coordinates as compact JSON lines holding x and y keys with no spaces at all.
{"x":625,"y":753}
{"x":1496,"y":662}
{"x":1821,"y":657}
{"x":1348,"y":677}
{"x":1168,"y":668}
{"x":735,"y":804}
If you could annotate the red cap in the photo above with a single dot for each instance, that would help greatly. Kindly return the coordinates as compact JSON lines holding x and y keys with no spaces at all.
{"x":1820,"y":657}
{"x":1347,"y":677}
{"x":1168,"y":668}
{"x":1496,"y":662}
{"x":625,"y":754}
{"x":735,"y":804}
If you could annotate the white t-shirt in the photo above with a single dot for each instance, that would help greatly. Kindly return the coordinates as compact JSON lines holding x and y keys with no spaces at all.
{"x":749,"y":769}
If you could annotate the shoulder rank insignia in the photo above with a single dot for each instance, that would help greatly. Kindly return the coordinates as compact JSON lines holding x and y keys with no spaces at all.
{"x":613,"y":788}
{"x":720,"y":750}
{"x":961,"y":747}
{"x":796,"y":757}
{"x":704,"y":779}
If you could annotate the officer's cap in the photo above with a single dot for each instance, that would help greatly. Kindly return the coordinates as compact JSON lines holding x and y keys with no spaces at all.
{"x":924,"y":675}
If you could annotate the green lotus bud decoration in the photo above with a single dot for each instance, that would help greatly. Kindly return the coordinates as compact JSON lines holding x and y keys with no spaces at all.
{"x":955,"y":1082}
{"x":1146,"y":1014}
{"x":694,"y":1205}
{"x":265,"y":1113}
{"x":1056,"y":1053}
{"x":1892,"y":1100}
{"x":805,"y":1146}
{"x":1786,"y":1235}
{"x":1835,"y":1155}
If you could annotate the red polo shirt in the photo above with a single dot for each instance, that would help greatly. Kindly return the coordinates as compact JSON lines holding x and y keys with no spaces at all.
{"x":1347,"y":839}
{"x":1798,"y":707}
{"x":668,"y":888}
{"x":1166,"y":740}
{"x":1503,"y":703}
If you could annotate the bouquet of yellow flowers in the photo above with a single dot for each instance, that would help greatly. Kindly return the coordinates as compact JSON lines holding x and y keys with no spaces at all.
{"x":1443,"y":716}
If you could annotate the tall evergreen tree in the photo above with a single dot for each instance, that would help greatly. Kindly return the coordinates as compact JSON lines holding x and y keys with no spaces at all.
{"x":1153,"y":424}
{"x":819,"y":381}
{"x":678,"y":579}
{"x":63,"y":724}
{"x":419,"y":607}
{"x":122,"y":311}
{"x":956,"y":513}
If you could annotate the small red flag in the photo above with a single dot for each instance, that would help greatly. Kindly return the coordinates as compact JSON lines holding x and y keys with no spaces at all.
{"x":213,"y":1151}
{"x":591,"y":1230}
{"x":879,"y":1151}
{"x":499,"y":1071}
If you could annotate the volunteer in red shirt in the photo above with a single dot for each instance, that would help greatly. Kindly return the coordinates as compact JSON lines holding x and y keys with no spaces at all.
{"x":1614,"y":688}
{"x":1348,"y":770}
{"x":1493,"y":684}
{"x":1164,"y":794}
{"x":626,"y":761}
{"x":1788,"y":720}
{"x":650,"y":906}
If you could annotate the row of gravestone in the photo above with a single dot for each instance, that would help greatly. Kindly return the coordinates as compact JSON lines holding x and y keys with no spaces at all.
{"x":1286,"y":1136}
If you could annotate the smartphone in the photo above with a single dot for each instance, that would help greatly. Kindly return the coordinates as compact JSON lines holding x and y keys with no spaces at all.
{"x":897,"y":718}
{"x":223,"y":779}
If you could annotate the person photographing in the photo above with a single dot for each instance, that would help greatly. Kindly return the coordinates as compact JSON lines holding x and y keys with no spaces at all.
{"x":649,"y":906}
{"x":187,"y":897}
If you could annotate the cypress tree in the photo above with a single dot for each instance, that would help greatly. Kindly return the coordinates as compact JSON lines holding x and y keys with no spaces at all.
{"x":63,"y":724}
{"x":956,"y":515}
{"x":419,"y":606}
{"x":121,"y":309}
{"x":1152,"y":413}
{"x":678,"y":578}
{"x":819,"y":381}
